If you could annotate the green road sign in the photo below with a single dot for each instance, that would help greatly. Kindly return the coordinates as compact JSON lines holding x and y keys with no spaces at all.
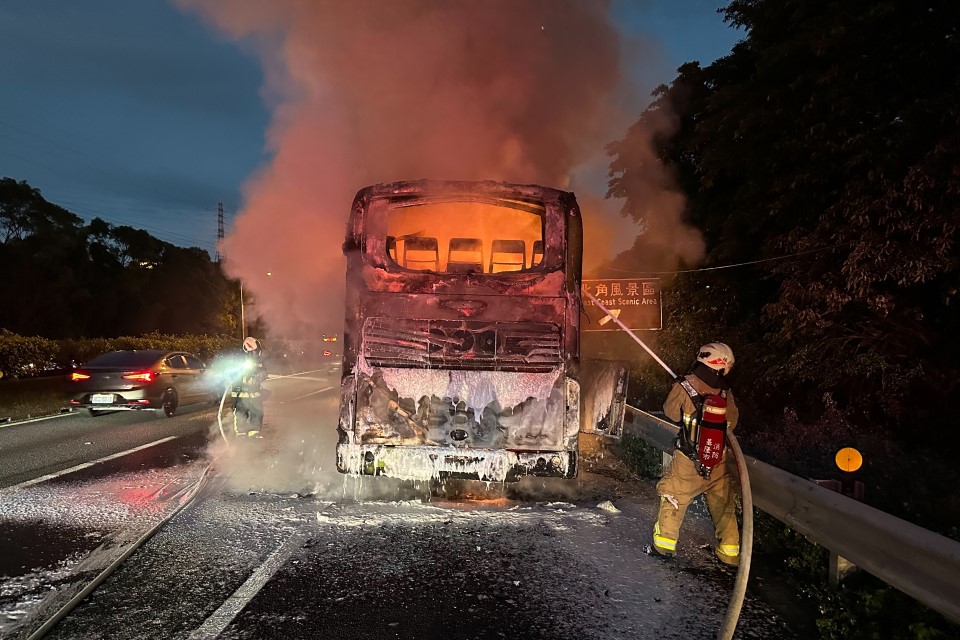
{"x":635,"y":301}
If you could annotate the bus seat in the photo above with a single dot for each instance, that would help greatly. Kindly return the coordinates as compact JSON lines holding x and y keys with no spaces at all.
{"x":465,"y":255}
{"x":537,"y":253}
{"x":392,"y":248}
{"x":507,"y":255}
{"x":420,"y":253}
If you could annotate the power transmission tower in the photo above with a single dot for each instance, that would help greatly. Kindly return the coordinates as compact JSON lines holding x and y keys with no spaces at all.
{"x":219,"y":228}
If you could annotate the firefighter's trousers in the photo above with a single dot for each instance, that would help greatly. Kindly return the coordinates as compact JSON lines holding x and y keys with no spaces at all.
{"x":682,"y":482}
{"x":247,"y":413}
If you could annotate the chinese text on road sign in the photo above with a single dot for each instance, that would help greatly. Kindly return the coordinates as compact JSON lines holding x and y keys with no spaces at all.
{"x":634,"y":301}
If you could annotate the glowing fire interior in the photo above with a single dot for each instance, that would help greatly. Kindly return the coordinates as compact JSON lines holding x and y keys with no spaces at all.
{"x":466,"y":237}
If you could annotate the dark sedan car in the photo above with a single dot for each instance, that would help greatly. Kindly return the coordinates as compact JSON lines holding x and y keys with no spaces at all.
{"x":141,"y":380}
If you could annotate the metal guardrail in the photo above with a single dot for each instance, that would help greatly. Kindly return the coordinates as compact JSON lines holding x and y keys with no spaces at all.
{"x":921,"y":563}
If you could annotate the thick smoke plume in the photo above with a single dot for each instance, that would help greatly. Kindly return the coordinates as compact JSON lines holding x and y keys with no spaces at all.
{"x":368,"y":91}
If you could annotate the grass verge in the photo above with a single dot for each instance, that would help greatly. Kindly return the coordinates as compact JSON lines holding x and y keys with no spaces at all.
{"x":32,"y":397}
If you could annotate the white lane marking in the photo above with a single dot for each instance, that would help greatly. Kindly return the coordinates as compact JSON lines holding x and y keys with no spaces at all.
{"x":307,"y":395}
{"x":56,"y":415}
{"x":220,"y":619}
{"x":51,"y":476}
{"x":271,"y":376}
{"x":305,"y":378}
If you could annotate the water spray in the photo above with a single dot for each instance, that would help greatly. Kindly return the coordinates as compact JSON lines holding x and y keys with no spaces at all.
{"x":231,"y":371}
{"x":631,"y":334}
{"x":743,"y":572}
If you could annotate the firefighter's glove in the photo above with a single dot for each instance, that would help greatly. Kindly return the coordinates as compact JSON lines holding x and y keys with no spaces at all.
{"x":669,"y":498}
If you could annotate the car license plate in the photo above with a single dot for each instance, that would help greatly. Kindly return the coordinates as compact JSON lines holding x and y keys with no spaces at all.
{"x":101,"y":398}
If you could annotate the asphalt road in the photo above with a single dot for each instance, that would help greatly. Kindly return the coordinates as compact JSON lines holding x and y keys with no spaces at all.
{"x":282,"y":546}
{"x":33,"y":449}
{"x":243,"y":563}
{"x":77,"y":489}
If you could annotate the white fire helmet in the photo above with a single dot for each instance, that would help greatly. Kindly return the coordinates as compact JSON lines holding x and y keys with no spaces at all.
{"x":250,"y":344}
{"x":718,"y":356}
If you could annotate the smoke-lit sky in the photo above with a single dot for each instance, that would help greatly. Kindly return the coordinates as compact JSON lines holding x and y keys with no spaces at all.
{"x":148,"y":113}
{"x":139,"y":113}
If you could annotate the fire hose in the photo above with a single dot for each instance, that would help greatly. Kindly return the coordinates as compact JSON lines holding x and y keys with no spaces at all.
{"x":746,"y":546}
{"x":231,"y":374}
{"x":220,"y":416}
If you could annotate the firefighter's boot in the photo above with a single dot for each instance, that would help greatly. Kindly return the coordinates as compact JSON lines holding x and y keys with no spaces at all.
{"x":722,"y":554}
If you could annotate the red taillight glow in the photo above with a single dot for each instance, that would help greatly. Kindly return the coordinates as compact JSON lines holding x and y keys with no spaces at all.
{"x":327,"y":353}
{"x":76,"y":376}
{"x":144,"y":376}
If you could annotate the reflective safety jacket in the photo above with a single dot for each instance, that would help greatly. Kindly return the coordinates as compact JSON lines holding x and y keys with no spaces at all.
{"x":251,"y":381}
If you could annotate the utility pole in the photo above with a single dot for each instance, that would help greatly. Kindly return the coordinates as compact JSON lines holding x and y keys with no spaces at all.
{"x":243,"y":316}
{"x":219,"y":228}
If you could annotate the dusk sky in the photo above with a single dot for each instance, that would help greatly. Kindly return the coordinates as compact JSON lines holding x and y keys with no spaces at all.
{"x":141,"y":114}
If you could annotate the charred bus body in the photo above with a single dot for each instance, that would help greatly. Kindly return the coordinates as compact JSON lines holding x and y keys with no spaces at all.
{"x":461,"y":340}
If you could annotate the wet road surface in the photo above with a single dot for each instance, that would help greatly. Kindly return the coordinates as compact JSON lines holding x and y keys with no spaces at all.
{"x":281,"y":546}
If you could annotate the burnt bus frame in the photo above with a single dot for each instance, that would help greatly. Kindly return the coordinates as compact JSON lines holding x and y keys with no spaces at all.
{"x":370,"y":273}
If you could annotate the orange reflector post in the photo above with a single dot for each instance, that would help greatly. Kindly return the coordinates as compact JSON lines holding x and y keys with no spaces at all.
{"x":849,"y":459}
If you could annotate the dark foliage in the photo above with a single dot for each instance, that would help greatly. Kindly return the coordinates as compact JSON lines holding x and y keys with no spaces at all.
{"x":862,"y":607}
{"x":829,"y":135}
{"x":64,"y":279}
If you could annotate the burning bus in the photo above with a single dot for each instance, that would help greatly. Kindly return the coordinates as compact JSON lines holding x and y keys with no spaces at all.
{"x":461,"y":340}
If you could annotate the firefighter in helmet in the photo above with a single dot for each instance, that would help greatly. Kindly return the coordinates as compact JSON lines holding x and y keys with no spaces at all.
{"x":248,"y":392}
{"x":693,"y":401}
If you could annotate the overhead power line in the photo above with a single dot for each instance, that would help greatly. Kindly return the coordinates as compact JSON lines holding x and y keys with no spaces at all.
{"x":725,"y":266}
{"x":194,"y":213}
{"x":163,"y":234}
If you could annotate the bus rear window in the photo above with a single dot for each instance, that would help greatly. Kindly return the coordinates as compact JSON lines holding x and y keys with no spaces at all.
{"x":465,"y":237}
